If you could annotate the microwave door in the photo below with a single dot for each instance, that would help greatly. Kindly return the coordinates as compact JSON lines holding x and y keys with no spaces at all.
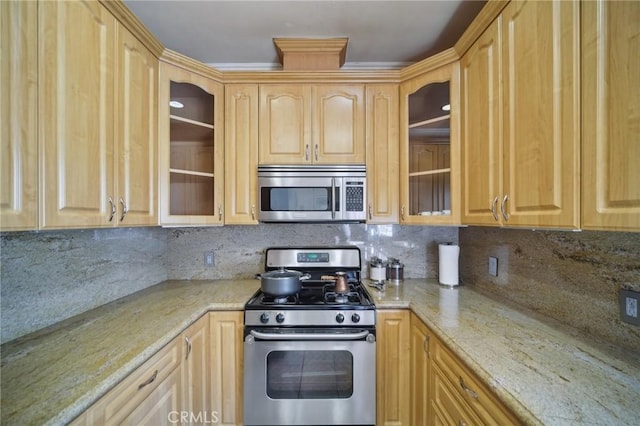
{"x":299,"y":199}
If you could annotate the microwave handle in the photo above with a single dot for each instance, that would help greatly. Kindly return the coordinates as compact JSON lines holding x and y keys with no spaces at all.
{"x":333,"y":198}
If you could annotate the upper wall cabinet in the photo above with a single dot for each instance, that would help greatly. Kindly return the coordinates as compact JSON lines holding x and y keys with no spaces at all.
{"x":190,"y":148}
{"x":18,"y":107}
{"x":429,"y":166}
{"x":382,"y":153}
{"x":322,"y":124}
{"x":241,"y":154}
{"x":610,"y":115}
{"x":98,"y":120}
{"x":523,"y":171}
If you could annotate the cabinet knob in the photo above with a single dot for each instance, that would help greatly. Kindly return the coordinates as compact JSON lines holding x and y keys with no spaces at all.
{"x":316,"y":152}
{"x":188,"y":342}
{"x":219,"y":211}
{"x":253,"y":212}
{"x":402,"y":212}
{"x":370,"y":212}
{"x":306,"y":152}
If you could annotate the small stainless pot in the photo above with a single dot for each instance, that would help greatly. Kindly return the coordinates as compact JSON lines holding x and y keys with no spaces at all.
{"x":282,"y":282}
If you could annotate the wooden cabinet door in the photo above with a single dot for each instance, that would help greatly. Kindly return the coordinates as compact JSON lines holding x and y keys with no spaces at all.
{"x":147,"y":395}
{"x":338,"y":133}
{"x":285,"y":124}
{"x":241,"y":154}
{"x":541,"y":62}
{"x":137,"y":124}
{"x":190,"y":148}
{"x":393,"y":368}
{"x":480,"y":136}
{"x":162,"y":406}
{"x":420,"y":371}
{"x":196,"y":368}
{"x":75,"y":55}
{"x":382,"y":153}
{"x":611,"y":101}
{"x":18,"y":109}
{"x":226,"y":366}
{"x":424,"y":123}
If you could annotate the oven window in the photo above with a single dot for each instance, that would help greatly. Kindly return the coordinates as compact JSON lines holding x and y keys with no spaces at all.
{"x":309,"y":374}
{"x":290,"y":199}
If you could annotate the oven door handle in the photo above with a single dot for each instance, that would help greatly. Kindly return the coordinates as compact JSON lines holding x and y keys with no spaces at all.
{"x":309,"y":336}
{"x":333,"y":198}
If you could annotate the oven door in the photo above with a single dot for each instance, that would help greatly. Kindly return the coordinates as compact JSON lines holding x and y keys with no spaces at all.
{"x":310,"y":377}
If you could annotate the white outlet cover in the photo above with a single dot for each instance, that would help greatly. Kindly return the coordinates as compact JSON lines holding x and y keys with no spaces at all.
{"x":493,"y":266}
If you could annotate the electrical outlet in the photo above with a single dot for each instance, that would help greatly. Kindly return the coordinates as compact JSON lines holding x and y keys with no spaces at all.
{"x":208,"y":258}
{"x":629,"y":306}
{"x":493,"y":266}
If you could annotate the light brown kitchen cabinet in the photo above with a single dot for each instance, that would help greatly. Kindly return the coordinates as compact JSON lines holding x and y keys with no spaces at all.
{"x":420,"y":372}
{"x":97,"y":120}
{"x":18,"y":106}
{"x":146,"y":396}
{"x":429,"y":153}
{"x":226,"y":328}
{"x":610,"y":105}
{"x":191,"y":152}
{"x":305,"y":124}
{"x":382,"y":106}
{"x":241,"y":154}
{"x":523,"y":171}
{"x":454,"y":385}
{"x":196,"y":389}
{"x":480,"y":135}
{"x":393,"y":372}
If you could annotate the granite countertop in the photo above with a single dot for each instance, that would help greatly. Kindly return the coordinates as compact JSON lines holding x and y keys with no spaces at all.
{"x":544,"y":372}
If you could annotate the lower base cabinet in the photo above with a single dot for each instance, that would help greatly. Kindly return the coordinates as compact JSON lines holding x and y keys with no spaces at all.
{"x":392,"y":369}
{"x":194,"y":379}
{"x":421,"y":382}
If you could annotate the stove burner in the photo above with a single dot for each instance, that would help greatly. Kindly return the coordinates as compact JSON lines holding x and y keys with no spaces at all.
{"x":352,"y":297}
{"x":267,"y":299}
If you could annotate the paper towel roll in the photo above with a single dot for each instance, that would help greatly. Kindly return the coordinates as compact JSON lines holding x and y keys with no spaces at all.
{"x":448,"y":262}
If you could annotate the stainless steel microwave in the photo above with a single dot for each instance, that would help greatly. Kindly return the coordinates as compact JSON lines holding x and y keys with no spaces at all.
{"x":313,"y":193}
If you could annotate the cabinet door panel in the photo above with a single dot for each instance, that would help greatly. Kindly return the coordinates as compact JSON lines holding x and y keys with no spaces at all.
{"x":420,"y":372}
{"x":285,"y":124}
{"x":196,"y":388}
{"x":392,"y":370}
{"x":138,"y":123}
{"x":541,"y":115}
{"x":162,"y":406}
{"x":226,"y":366}
{"x":611,"y":105}
{"x":339,"y":124}
{"x":481,"y":143}
{"x":76,"y":114}
{"x":18,"y":90}
{"x":382,"y":153}
{"x":241,"y":153}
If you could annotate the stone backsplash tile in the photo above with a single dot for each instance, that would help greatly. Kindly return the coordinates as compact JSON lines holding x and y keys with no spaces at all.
{"x":239,"y":250}
{"x":574,"y":277}
{"x":52,"y":275}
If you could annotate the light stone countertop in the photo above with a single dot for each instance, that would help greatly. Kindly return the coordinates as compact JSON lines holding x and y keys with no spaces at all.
{"x":544,"y":372}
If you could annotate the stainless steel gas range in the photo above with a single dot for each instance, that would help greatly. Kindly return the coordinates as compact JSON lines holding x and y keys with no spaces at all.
{"x":310,"y":358}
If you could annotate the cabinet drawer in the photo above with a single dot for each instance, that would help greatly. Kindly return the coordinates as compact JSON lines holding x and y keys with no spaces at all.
{"x":446,"y":406}
{"x":477,"y":396}
{"x":122,"y":400}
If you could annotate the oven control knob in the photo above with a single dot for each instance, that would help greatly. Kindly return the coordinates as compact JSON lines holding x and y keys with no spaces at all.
{"x":264,"y":318}
{"x":340,"y":318}
{"x":280,"y":318}
{"x":355,"y":318}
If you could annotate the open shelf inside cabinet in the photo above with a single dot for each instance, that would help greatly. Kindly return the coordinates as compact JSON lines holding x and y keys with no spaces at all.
{"x":429,"y":151}
{"x":192,"y":135}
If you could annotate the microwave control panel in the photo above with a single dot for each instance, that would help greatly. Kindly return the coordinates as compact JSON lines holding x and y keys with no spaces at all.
{"x":354,"y":196}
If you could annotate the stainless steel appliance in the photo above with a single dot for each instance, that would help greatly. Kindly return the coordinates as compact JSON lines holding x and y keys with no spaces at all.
{"x":313,"y":193}
{"x":310,"y":358}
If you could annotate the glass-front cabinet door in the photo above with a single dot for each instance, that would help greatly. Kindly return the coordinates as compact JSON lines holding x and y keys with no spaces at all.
{"x":429,"y":166}
{"x":191,"y":153}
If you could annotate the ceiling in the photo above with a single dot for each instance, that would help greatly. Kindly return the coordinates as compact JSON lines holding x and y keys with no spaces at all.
{"x":238,"y":34}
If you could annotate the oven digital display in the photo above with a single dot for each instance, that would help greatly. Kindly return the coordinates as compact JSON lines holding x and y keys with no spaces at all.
{"x":313,"y":257}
